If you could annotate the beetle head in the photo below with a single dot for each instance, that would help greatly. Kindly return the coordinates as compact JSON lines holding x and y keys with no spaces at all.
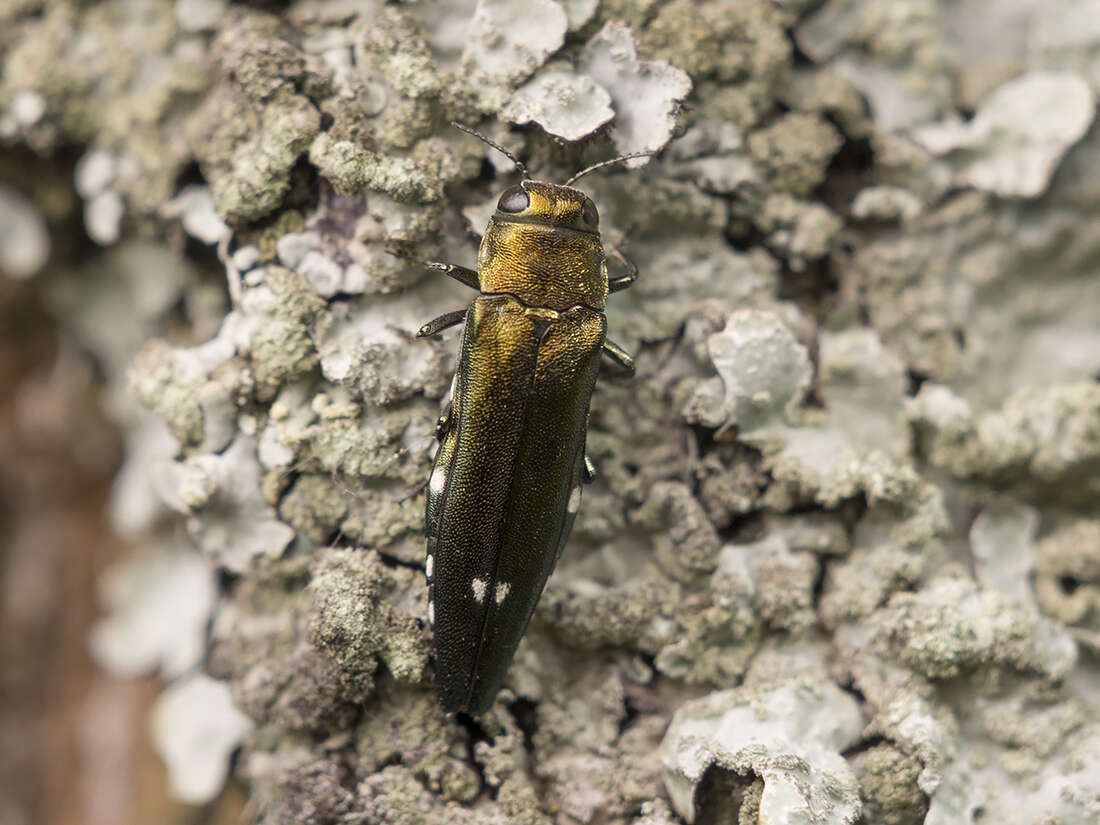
{"x":549,"y":204}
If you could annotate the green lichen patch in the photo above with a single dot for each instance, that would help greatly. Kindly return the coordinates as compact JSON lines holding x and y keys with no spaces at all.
{"x":1067,"y":574}
{"x":351,"y":168}
{"x":1046,"y":442}
{"x":953,"y":628}
{"x":355,"y":626}
{"x":888,"y":786}
{"x":281,"y":348}
{"x":314,"y":506}
{"x":409,"y":728}
{"x":255,"y":125}
{"x":169,"y":392}
{"x":731,"y":45}
{"x":794,"y":151}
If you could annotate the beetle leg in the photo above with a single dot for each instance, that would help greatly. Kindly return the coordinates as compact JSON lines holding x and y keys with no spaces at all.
{"x":619,"y":356}
{"x":459,"y":273}
{"x":444,"y":321}
{"x":413,"y":492}
{"x":621,"y":282}
{"x":589,"y":471}
{"x":443,"y":424}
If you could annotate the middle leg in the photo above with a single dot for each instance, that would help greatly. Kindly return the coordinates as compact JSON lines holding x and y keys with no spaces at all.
{"x":444,"y":321}
{"x":619,"y":356}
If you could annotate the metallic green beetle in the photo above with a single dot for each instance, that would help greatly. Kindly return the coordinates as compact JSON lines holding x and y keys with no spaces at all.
{"x":506,"y":485}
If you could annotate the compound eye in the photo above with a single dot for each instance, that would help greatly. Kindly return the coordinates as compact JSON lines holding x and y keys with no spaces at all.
{"x":513,"y":200}
{"x":589,"y":214}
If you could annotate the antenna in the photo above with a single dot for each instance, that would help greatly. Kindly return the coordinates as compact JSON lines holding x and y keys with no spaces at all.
{"x":604,"y":163}
{"x":496,"y":146}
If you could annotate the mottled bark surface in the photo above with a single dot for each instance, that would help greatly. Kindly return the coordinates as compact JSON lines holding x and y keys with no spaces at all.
{"x":841,"y":558}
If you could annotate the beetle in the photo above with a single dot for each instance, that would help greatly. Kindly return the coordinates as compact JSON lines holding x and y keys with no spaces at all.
{"x":506,"y":484}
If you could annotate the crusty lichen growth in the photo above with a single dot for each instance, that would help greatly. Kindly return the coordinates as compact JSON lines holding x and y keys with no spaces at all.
{"x":860,"y":322}
{"x":1067,"y":575}
{"x":888,"y":786}
{"x":352,"y":622}
{"x":252,"y":129}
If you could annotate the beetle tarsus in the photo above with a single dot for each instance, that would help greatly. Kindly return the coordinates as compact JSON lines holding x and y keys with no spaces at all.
{"x":444,"y":321}
{"x":443,"y":423}
{"x":619,"y":356}
{"x":621,"y":282}
{"x":589,"y":472}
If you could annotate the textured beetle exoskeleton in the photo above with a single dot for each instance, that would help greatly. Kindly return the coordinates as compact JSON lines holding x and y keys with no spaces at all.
{"x":506,"y":485}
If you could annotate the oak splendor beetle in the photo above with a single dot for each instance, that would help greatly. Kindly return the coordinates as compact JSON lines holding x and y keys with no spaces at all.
{"x":506,"y":485}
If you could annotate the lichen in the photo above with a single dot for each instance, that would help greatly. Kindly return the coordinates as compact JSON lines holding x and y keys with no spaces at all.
{"x":797,"y":762}
{"x":888,"y":786}
{"x":352,"y":624}
{"x":848,"y":499}
{"x":1067,"y":574}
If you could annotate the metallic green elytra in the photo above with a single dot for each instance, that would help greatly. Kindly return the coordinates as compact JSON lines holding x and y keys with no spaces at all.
{"x":507,"y":480}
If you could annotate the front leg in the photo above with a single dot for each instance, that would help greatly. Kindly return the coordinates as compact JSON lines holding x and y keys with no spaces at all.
{"x":621,"y":282}
{"x":459,"y":273}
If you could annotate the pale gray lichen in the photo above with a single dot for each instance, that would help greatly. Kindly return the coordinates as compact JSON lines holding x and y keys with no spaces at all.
{"x":194,"y":206}
{"x":893,"y":53}
{"x":1002,"y":539}
{"x":784,"y":582}
{"x":255,"y":124}
{"x":561,"y":102}
{"x":888,"y":786}
{"x":413,"y":729}
{"x":763,"y":374}
{"x":178,"y":385}
{"x":159,"y":605}
{"x":229,"y":518}
{"x":1067,"y":40}
{"x":686,"y":542}
{"x":719,"y":632}
{"x":794,"y":151}
{"x":196,"y":728}
{"x":780,"y":736}
{"x":644,"y":93}
{"x":1047,"y":443}
{"x":352,"y":624}
{"x":277,"y":311}
{"x":24,"y":236}
{"x":797,"y":231}
{"x":1018,"y":135}
{"x":506,"y":41}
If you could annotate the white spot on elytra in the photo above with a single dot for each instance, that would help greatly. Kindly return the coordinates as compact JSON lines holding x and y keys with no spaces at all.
{"x":479,"y":586}
{"x":503,"y":588}
{"x":431,"y":612}
{"x":574,"y":500}
{"x":438,"y":481}
{"x":429,"y":566}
